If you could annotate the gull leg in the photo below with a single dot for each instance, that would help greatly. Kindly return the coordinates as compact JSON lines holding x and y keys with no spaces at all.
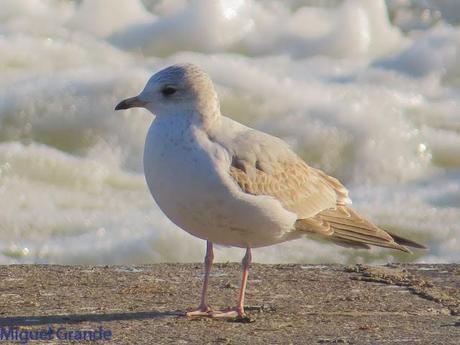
{"x":239,"y":310}
{"x":246,"y":262}
{"x":204,"y":309}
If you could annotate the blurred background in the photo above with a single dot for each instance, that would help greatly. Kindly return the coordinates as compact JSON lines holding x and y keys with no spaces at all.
{"x":366,"y":90}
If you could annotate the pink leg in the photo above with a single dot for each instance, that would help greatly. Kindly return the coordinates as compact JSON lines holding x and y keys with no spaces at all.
{"x":246,"y":262}
{"x":204,"y":309}
{"x":239,"y":310}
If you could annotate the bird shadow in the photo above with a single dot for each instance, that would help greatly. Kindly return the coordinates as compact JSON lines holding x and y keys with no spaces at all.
{"x":76,"y":318}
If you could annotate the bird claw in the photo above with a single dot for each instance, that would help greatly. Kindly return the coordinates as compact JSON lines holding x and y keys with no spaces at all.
{"x":225,"y":314}
{"x":234,"y":314}
{"x":202,"y":311}
{"x":230,"y":314}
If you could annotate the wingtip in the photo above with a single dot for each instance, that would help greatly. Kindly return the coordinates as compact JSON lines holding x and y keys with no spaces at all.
{"x":403,"y":242}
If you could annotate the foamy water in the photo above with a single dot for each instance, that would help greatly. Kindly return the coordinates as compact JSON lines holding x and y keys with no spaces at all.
{"x":368,"y":91}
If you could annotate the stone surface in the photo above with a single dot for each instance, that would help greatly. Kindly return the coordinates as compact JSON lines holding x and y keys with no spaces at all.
{"x":287,"y":304}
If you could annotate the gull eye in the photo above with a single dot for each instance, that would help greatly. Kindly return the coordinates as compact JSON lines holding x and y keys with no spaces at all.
{"x":168,"y":91}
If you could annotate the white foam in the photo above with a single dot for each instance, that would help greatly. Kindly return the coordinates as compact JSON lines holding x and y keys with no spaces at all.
{"x":364,"y":98}
{"x":357,"y":28}
{"x":210,"y":26}
{"x":434,"y":51}
{"x":102,"y":17}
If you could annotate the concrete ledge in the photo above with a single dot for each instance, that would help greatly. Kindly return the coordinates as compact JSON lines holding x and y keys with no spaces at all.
{"x":289,"y":304}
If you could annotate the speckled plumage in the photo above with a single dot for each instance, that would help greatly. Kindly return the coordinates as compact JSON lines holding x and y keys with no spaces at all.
{"x":232,"y":185}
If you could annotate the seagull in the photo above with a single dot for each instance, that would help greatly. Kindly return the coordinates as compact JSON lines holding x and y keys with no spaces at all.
{"x":232,"y":185}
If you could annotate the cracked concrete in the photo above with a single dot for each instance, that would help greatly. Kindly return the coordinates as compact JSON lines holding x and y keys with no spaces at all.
{"x":288,"y":304}
{"x":416,"y":284}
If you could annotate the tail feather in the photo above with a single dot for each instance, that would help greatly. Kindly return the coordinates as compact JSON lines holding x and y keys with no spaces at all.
{"x":345,"y":227}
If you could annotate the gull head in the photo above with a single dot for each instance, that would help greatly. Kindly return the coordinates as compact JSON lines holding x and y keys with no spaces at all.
{"x":182,"y":89}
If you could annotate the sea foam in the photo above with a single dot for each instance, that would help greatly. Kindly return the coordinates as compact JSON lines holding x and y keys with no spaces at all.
{"x":365,"y":90}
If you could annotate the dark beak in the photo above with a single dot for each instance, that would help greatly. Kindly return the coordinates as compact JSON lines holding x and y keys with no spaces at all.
{"x":132,"y":102}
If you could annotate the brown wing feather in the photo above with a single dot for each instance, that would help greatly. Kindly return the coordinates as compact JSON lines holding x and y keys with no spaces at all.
{"x":298,"y":187}
{"x":406,"y":242}
{"x":342,"y":224}
{"x":318,"y":200}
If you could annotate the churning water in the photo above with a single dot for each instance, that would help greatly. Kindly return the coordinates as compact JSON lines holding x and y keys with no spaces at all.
{"x":368,"y":91}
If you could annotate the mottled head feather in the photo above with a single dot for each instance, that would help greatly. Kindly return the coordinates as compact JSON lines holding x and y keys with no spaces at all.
{"x":187,"y":75}
{"x":194,"y":93}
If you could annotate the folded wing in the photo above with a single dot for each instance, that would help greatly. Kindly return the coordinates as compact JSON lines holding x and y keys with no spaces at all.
{"x":264,"y":165}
